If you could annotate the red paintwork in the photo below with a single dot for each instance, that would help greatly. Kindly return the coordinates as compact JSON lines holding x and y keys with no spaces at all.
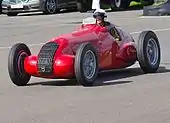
{"x":112,"y":54}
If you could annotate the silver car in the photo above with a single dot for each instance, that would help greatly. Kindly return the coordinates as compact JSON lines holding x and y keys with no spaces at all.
{"x":13,"y":7}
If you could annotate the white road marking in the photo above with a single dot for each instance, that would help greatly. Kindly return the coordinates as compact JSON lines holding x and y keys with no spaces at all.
{"x":155,"y":30}
{"x":154,"y":17}
{"x":30,"y":45}
{"x":132,"y":33}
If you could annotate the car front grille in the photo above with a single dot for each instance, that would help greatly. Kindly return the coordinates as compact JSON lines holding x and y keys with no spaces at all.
{"x":46,"y":58}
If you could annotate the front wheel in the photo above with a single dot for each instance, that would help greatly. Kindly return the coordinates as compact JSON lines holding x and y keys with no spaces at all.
{"x":50,"y":7}
{"x":148,"y":52}
{"x":16,"y":58}
{"x":81,"y":7}
{"x":86,"y":64}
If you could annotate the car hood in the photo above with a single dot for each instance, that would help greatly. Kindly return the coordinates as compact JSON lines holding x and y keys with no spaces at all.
{"x":13,"y":2}
{"x":73,"y":40}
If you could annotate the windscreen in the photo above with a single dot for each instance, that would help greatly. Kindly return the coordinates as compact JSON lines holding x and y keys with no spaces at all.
{"x":89,"y":20}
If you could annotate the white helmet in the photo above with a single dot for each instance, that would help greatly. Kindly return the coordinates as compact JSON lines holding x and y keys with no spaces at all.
{"x":100,"y":12}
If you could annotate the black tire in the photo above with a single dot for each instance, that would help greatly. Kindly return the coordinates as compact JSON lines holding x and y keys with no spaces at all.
{"x":12,"y":14}
{"x":0,"y":6}
{"x":48,"y":10}
{"x":124,"y":4}
{"x":78,"y":66}
{"x":149,"y":64}
{"x":81,"y":7}
{"x":112,"y":5}
{"x":16,"y":58}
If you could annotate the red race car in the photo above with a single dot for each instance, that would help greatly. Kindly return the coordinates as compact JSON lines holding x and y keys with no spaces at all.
{"x":84,"y":53}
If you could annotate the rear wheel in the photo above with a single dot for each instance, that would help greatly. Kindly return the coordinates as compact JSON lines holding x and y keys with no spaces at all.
{"x":16,"y":58}
{"x":120,"y":4}
{"x":86,"y":64}
{"x":148,"y":52}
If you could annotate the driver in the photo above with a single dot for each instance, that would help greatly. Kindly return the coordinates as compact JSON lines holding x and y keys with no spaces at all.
{"x":100,"y":16}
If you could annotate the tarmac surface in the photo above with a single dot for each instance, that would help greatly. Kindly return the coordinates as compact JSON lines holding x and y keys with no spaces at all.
{"x":126,"y":96}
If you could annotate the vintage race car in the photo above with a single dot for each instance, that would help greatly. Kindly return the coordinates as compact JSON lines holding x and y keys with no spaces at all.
{"x":84,"y":53}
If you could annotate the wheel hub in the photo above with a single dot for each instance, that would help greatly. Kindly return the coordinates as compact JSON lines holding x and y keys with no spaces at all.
{"x":89,"y":64}
{"x":20,"y":64}
{"x":51,"y":6}
{"x":152,"y":51}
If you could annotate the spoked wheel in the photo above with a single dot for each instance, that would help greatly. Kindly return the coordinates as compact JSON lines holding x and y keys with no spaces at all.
{"x":50,"y":7}
{"x":148,"y":52}
{"x":16,"y":58}
{"x":86,"y":64}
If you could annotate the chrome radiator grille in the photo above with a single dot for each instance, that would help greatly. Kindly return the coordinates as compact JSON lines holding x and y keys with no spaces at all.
{"x":46,"y":58}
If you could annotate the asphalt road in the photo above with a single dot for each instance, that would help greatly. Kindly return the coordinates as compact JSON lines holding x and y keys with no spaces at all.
{"x":126,"y":96}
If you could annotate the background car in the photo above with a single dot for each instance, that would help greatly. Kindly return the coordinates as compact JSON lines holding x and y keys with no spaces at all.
{"x":85,"y":5}
{"x":13,"y":7}
{"x":160,"y":8}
